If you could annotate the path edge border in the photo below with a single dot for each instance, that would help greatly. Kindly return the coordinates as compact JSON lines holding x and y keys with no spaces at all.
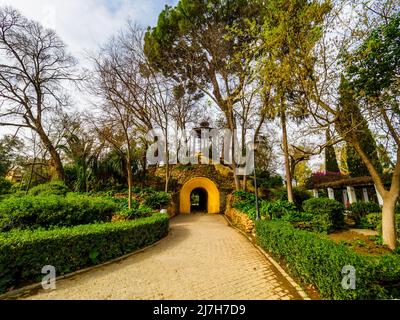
{"x":28,"y":290}
{"x":295,"y":285}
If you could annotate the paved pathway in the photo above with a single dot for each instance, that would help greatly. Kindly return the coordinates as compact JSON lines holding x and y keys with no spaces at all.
{"x":202,"y":258}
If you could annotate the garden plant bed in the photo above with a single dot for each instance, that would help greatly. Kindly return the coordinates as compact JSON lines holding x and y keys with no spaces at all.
{"x":367,"y":245}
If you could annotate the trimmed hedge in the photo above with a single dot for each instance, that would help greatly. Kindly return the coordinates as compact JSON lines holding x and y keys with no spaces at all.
{"x":328,"y":214}
{"x":24,"y":253}
{"x":319,"y":261}
{"x":32,"y":212}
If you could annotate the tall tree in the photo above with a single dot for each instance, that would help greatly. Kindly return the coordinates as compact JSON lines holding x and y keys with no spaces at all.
{"x":354,"y":119}
{"x":331,"y":164}
{"x":115,"y":126}
{"x":192,"y":44}
{"x":80,"y":148}
{"x":34,"y":67}
{"x":374,"y":72}
{"x":285,"y":47}
{"x":376,"y":58}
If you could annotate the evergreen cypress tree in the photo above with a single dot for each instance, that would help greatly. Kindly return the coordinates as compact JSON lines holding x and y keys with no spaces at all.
{"x":331,"y":164}
{"x":359,"y":127}
{"x":356,"y":166}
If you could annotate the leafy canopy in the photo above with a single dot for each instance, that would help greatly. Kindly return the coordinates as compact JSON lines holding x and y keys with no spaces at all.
{"x":375,"y":65}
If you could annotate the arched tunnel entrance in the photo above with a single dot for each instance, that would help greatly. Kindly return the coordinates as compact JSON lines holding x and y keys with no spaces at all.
{"x":199,"y":195}
{"x":198,"y":201}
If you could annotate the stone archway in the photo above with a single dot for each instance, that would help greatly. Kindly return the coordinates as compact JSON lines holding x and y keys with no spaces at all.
{"x":213,"y":196}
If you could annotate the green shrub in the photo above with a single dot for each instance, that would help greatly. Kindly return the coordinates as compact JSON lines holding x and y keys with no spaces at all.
{"x":5,"y":186}
{"x":277,"y":209}
{"x":51,"y":188}
{"x":297,"y":216}
{"x":53,"y":211}
{"x":136,"y":190}
{"x":300,"y":220}
{"x":18,"y":187}
{"x":268,"y":181}
{"x":370,"y":221}
{"x":300,"y":195}
{"x":319,"y":261}
{"x":106,"y":194}
{"x":245,"y":202}
{"x":361,"y":209}
{"x":374,"y":221}
{"x":327,"y":214}
{"x":156,"y":200}
{"x":122,"y":203}
{"x":247,"y":207}
{"x":24,"y":253}
{"x":18,"y":194}
{"x":243,"y":196}
{"x":137,"y":212}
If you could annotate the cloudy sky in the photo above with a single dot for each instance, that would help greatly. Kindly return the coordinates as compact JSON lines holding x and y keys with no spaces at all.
{"x":85,"y":24}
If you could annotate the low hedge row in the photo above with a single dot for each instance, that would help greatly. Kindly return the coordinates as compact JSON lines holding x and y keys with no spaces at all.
{"x":319,"y":261}
{"x":24,"y":253}
{"x":32,"y":212}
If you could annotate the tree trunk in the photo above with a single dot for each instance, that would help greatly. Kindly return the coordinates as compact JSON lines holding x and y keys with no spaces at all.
{"x":232,"y":127}
{"x":287,"y":160}
{"x":130,"y":180}
{"x":243,"y":151}
{"x":390,"y":197}
{"x":166,"y":177}
{"x":389,"y":221}
{"x":166,"y":161}
{"x":144,"y":164}
{"x":55,"y":157}
{"x":245,"y":183}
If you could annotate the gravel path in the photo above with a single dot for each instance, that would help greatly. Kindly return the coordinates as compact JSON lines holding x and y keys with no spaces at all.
{"x":201,"y":258}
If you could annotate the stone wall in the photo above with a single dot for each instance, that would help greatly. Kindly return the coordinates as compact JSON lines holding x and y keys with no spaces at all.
{"x":238,"y":218}
{"x":221,"y":175}
{"x":173,"y":207}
